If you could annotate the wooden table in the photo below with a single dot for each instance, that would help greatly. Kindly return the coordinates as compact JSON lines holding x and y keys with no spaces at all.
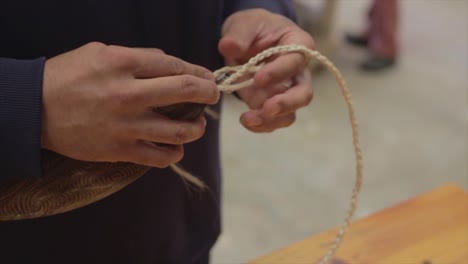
{"x":431,"y":228}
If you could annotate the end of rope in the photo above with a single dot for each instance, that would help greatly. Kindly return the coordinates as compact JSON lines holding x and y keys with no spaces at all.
{"x":187,"y":176}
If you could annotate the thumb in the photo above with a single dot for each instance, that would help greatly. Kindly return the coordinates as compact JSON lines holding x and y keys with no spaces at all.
{"x":236,"y":41}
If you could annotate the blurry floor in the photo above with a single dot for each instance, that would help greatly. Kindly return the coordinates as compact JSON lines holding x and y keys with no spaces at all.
{"x":289,"y":185}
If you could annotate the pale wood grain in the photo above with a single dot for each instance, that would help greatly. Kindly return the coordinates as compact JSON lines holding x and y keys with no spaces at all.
{"x":431,"y":228}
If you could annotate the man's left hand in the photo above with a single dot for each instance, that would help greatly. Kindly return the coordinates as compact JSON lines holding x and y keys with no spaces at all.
{"x":283,"y":85}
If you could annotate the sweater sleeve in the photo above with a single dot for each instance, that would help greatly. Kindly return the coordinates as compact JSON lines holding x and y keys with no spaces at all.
{"x":284,"y":7}
{"x":20,"y":118}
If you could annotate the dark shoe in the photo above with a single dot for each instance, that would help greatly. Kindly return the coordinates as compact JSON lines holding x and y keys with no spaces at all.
{"x":377,"y":63}
{"x":357,"y":40}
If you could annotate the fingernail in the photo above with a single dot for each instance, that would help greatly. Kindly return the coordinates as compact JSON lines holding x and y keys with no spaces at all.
{"x":204,"y":122}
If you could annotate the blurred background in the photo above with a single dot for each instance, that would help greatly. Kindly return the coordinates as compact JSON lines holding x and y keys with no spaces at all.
{"x":286,"y":186}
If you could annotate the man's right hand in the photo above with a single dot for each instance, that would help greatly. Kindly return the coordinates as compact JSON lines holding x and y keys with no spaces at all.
{"x":98,"y":101}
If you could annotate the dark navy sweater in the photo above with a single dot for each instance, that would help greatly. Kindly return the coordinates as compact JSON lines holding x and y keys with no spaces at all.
{"x":155,"y":219}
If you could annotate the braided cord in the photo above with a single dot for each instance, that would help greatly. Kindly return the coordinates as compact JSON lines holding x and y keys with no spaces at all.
{"x":254,"y":65}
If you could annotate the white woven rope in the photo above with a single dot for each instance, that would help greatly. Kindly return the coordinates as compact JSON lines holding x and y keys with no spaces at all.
{"x":227,"y":78}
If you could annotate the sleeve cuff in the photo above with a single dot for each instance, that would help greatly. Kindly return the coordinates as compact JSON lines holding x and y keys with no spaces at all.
{"x":20,"y":118}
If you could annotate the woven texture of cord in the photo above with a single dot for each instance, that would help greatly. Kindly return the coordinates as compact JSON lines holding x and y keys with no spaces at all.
{"x":254,"y":64}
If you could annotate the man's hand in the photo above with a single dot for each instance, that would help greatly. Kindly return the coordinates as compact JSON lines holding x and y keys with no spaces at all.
{"x":273,"y":104}
{"x":98,"y":100}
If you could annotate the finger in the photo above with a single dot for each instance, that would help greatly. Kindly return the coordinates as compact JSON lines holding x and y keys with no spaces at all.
{"x":175,"y":89}
{"x":293,"y":99}
{"x":236,"y":40}
{"x":166,"y":131}
{"x":285,"y":67}
{"x":297,"y":36}
{"x":238,"y":43}
{"x":255,"y":97}
{"x":266,"y":125}
{"x":153,"y":63}
{"x":153,"y":155}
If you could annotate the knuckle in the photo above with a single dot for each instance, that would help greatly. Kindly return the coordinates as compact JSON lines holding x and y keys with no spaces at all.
{"x":188,"y":86}
{"x":95,"y":45}
{"x":160,"y":51}
{"x":177,"y":66}
{"x":95,"y":51}
{"x":272,"y":76}
{"x":182,"y":134}
{"x":119,"y":58}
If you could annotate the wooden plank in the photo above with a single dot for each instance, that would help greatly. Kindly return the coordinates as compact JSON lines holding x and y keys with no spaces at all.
{"x":431,"y":228}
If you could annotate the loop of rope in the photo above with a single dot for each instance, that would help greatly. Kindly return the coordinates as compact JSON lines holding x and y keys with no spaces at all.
{"x":226,"y":79}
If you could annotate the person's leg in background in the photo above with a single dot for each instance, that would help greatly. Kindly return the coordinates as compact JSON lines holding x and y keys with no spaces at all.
{"x":362,"y":39}
{"x":381,"y":36}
